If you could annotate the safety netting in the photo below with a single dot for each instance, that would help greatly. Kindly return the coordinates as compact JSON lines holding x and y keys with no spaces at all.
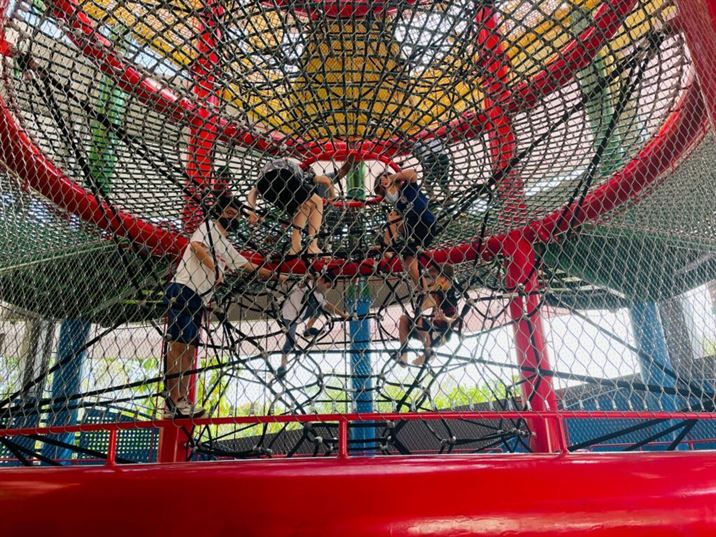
{"x":556,"y":288}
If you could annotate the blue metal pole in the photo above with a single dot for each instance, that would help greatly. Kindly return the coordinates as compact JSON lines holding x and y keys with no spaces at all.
{"x":66,"y":381}
{"x":358,"y":302}
{"x":361,"y":372}
{"x":653,"y":354}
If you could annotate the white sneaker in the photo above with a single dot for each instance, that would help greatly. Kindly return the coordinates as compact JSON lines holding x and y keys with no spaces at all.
{"x":182,"y":409}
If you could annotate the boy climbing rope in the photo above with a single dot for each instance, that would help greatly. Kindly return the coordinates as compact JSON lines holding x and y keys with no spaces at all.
{"x":306,"y":301}
{"x":435,"y":327}
{"x":201,"y":270}
{"x":283,"y":184}
{"x":411,"y":226}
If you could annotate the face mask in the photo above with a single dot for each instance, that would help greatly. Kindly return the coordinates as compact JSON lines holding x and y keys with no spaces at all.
{"x":229,"y":224}
{"x":392,"y":198}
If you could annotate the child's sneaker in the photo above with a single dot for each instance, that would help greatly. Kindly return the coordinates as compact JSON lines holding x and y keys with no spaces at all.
{"x":311,"y":332}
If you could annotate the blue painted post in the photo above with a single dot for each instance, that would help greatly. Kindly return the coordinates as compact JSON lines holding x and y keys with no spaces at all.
{"x":102,"y":161}
{"x":361,"y":371}
{"x":653,"y":353}
{"x":358,"y":302}
{"x":66,"y":382}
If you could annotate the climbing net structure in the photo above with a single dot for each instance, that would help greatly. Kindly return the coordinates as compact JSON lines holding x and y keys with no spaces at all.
{"x":563,"y":148}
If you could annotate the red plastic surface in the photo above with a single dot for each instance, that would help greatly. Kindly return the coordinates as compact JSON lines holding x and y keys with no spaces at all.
{"x":605,"y":495}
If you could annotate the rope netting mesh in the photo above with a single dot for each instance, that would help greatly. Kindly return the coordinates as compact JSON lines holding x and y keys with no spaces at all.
{"x":551,"y":246}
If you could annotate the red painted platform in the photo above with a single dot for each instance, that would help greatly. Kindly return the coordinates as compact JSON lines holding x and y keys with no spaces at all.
{"x":626,"y":494}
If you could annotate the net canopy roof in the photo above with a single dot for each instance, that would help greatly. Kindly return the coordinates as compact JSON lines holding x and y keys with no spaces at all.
{"x":548,"y":114}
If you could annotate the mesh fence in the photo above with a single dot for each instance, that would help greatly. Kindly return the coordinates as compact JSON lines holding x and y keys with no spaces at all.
{"x":247,"y":209}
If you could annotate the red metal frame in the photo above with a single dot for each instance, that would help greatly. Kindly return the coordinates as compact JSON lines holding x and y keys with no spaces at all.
{"x":520,"y":261}
{"x":344,"y":420}
{"x":576,"y":54}
{"x":697,"y":19}
{"x":682,"y":130}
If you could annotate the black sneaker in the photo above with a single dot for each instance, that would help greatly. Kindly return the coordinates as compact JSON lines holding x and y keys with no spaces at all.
{"x":311,"y":332}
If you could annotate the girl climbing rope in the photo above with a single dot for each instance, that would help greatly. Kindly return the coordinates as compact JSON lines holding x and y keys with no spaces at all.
{"x":411,"y":226}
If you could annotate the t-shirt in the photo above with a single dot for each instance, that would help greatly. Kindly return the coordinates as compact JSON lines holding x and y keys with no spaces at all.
{"x":197,"y":276}
{"x":413,"y":205}
{"x":302,"y":302}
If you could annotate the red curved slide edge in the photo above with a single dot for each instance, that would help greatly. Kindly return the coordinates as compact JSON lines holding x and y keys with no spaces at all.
{"x":605,"y":495}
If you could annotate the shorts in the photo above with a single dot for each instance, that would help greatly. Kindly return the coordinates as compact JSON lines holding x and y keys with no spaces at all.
{"x":438,"y":331}
{"x":418,"y":238}
{"x":284,"y":189}
{"x":185,"y":312}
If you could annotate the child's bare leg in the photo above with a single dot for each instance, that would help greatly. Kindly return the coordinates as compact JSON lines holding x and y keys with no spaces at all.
{"x":403,"y":335}
{"x":298,"y":223}
{"x":315,"y":219}
{"x":411,"y":263}
{"x":427,"y":349}
{"x":180,"y":358}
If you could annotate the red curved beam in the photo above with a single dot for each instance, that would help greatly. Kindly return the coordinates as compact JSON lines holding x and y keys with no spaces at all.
{"x":577,"y":54}
{"x":605,"y":495}
{"x":26,"y":160}
{"x":682,"y":130}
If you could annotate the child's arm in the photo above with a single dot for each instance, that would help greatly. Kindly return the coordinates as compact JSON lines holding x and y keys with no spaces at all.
{"x":346,"y":168}
{"x":405,"y":176}
{"x":335,"y":310}
{"x":201,"y":251}
{"x":264,"y":273}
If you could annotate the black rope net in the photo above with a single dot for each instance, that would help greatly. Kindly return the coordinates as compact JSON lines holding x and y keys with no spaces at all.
{"x":556,"y":125}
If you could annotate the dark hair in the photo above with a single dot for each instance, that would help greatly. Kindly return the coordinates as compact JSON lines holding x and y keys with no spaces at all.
{"x":379,"y":189}
{"x":222,"y":200}
{"x":224,"y":175}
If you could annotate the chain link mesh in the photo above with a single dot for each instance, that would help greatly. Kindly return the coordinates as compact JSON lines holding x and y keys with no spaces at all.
{"x":563,"y":149}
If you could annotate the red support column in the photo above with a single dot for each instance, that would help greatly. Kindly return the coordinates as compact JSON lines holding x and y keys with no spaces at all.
{"x":697,"y":19}
{"x":537,"y":391}
{"x":517,"y":248}
{"x":174,"y":441}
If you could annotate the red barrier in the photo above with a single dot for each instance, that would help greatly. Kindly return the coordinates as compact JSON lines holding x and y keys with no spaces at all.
{"x":609,"y":495}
